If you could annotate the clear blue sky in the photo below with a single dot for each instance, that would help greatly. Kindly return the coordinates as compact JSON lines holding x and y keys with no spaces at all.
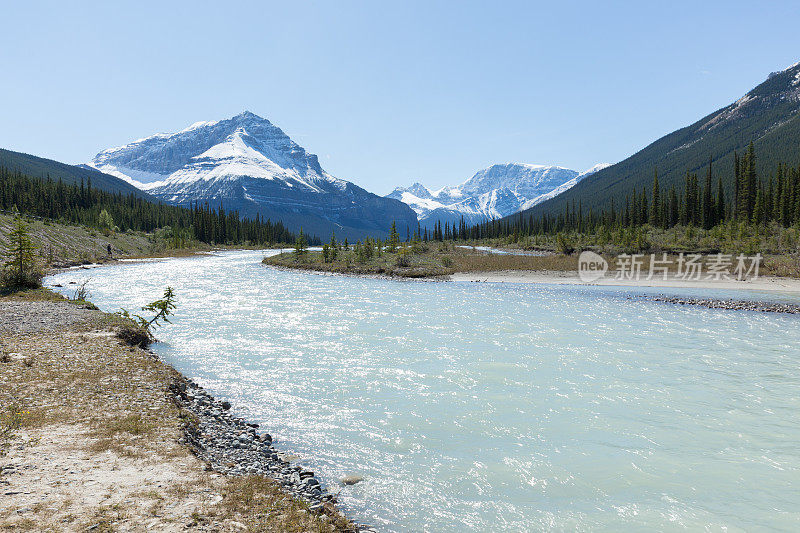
{"x":386,"y":93}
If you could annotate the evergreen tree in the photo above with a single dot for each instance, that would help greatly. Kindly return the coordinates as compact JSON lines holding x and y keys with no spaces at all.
{"x":334,"y":247}
{"x":720,"y":202}
{"x":672,"y":219}
{"x":300,"y":245}
{"x":751,"y":178}
{"x":707,"y":207}
{"x":394,"y":238}
{"x":20,"y":269}
{"x":655,"y":204}
{"x":759,"y":208}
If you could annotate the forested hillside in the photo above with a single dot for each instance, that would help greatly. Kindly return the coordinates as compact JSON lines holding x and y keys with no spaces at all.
{"x":39,"y":167}
{"x":767,"y":116}
{"x":761,"y":215}
{"x":84,"y":204}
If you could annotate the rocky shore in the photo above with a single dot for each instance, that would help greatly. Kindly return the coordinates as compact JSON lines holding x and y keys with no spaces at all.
{"x":738,"y":305}
{"x":234,"y":447}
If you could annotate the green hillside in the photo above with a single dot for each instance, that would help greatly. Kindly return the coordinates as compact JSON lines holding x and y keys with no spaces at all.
{"x":39,"y":167}
{"x":767,"y":115}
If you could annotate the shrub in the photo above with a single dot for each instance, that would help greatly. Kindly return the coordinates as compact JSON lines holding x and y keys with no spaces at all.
{"x":140,"y":332}
{"x":364,"y":251}
{"x":402,"y":259}
{"x":562,"y":245}
{"x":81,"y":293}
{"x":135,"y":336}
{"x":28,"y":279}
{"x":106,"y":223}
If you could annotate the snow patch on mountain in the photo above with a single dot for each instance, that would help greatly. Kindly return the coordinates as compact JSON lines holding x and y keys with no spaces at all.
{"x":494,"y":192}
{"x":212,"y":151}
{"x":249,"y":164}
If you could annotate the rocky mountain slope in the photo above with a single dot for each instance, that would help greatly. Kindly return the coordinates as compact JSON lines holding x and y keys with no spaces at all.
{"x":249,"y":164}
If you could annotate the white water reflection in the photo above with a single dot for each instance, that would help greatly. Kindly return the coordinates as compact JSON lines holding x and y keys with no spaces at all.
{"x":493,"y":407}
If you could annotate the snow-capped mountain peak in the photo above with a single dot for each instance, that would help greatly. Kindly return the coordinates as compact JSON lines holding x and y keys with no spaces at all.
{"x":249,"y":164}
{"x":244,"y":145}
{"x":497,"y":191}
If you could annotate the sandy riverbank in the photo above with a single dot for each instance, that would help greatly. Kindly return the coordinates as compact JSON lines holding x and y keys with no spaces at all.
{"x":766,"y":283}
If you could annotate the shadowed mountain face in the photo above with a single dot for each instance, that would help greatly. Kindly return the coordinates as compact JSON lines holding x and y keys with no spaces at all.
{"x":767,"y":115}
{"x":493,"y":192}
{"x":248,"y":164}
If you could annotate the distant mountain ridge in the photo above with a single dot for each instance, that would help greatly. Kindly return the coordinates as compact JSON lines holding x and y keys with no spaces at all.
{"x":251,"y":165}
{"x":768,"y":115}
{"x":494,"y":192}
{"x":41,"y":167}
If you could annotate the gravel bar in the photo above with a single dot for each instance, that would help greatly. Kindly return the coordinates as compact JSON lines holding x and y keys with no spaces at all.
{"x":737,"y":305}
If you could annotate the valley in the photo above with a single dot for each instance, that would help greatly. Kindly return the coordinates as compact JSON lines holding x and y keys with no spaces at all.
{"x":205,"y":326}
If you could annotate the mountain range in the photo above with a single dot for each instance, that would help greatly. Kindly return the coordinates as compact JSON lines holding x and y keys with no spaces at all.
{"x":493,"y":192}
{"x":248,"y":164}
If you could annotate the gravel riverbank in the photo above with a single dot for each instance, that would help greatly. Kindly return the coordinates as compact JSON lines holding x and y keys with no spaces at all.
{"x":232,"y":446}
{"x":737,"y":305}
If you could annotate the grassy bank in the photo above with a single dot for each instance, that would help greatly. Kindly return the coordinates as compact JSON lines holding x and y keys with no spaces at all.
{"x":439,"y":259}
{"x":780,"y":244}
{"x":89,"y":436}
{"x":424,"y":260}
{"x":61,"y":245}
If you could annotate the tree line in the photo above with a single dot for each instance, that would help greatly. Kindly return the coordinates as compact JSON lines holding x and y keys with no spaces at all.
{"x":755,"y":200}
{"x":85,"y":205}
{"x":703,"y":204}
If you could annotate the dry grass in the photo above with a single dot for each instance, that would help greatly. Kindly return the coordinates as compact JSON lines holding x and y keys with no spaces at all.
{"x":260,"y":505}
{"x":467,"y":261}
{"x":15,"y":416}
{"x":32,"y":295}
{"x":782,"y":265}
